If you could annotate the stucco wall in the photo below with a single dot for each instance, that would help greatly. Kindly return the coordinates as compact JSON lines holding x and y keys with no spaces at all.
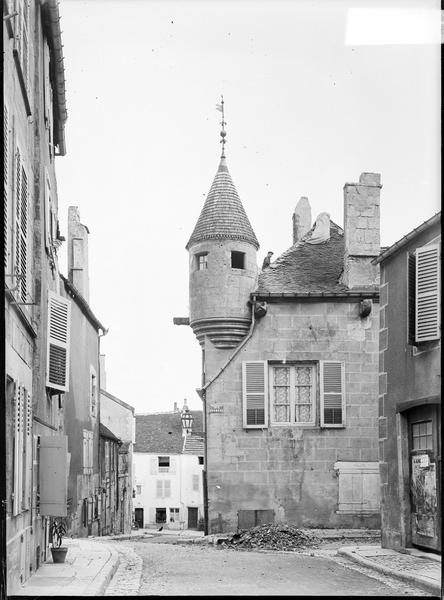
{"x":76,"y":406}
{"x":290,"y":469}
{"x":182,"y":493}
{"x":406,"y":374}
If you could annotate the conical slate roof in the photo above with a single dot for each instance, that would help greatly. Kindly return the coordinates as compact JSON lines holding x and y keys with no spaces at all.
{"x":223,"y":216}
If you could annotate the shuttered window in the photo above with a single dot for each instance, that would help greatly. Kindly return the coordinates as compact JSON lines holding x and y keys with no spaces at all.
{"x":18,"y":450}
{"x":167,"y":488}
{"x":254,"y":394}
{"x":332,"y":406}
{"x":411,"y":295}
{"x":88,"y":452}
{"x":427,"y":325}
{"x":21,"y":228}
{"x":53,"y":475}
{"x":59,"y":321}
{"x":27,"y":450}
{"x":159,"y":488}
{"x":6,"y":186}
{"x":196,"y":483}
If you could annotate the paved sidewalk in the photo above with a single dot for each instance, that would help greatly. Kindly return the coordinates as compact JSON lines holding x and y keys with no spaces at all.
{"x":87,"y":570}
{"x":423,"y":569}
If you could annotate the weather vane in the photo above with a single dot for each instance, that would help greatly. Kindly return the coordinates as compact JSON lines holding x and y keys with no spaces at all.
{"x":220,"y":107}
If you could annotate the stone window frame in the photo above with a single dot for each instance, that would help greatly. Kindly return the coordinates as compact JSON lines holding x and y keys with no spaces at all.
{"x":237,"y":255}
{"x":201,"y":261}
{"x":314,"y":393}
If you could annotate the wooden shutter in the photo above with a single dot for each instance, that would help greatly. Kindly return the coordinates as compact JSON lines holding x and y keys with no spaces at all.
{"x":27,"y":450}
{"x":411,"y":294}
{"x":254,"y":394}
{"x":48,"y":238}
{"x":332,"y":393}
{"x":53,"y":475}
{"x":167,"y":488}
{"x":427,"y":323}
{"x":85,"y":451}
{"x":17,"y":450}
{"x":6,"y":185}
{"x":59,"y":320}
{"x":159,"y":488}
{"x":154,"y":465}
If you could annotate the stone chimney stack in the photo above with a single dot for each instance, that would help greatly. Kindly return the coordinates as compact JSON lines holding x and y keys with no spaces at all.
{"x":301,"y":219}
{"x":361,"y":230}
{"x":78,"y":252}
{"x":102,"y":372}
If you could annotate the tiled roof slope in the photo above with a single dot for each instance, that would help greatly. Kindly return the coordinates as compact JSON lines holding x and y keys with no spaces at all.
{"x":223,"y":216}
{"x":162,"y":432}
{"x":307,"y":268}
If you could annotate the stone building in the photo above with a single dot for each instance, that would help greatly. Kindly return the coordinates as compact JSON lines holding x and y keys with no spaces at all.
{"x":410,"y":389}
{"x":117,"y":418}
{"x":35,"y":366}
{"x":290,"y":363}
{"x":81,"y":406}
{"x":168,"y":463}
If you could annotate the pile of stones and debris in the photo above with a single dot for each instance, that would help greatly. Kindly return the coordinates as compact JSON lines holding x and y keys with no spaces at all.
{"x":272,"y":537}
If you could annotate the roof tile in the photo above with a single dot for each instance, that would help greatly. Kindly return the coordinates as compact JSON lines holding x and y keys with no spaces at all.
{"x":162,"y":432}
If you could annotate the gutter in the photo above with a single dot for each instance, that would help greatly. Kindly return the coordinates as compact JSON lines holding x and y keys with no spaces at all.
{"x":51,"y":18}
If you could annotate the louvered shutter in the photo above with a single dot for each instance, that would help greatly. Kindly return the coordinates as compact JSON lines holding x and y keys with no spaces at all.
{"x":411,"y":291}
{"x":48,"y":239}
{"x":53,"y":475}
{"x":332,"y":394}
{"x":254,"y":394}
{"x":27,"y":450}
{"x":427,"y":323}
{"x":6,"y":185}
{"x":59,"y":321}
{"x":167,"y":488}
{"x":17,"y":450}
{"x":18,"y":172}
{"x":159,"y":488}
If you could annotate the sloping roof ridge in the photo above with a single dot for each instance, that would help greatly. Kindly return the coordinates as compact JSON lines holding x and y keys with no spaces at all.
{"x":118,"y":400}
{"x":407,"y":237}
{"x":82,"y":304}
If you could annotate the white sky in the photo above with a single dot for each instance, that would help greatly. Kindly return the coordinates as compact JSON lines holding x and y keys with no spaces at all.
{"x":306,"y":112}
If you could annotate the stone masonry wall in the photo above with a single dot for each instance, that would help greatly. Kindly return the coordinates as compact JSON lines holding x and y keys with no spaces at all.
{"x":290,"y":469}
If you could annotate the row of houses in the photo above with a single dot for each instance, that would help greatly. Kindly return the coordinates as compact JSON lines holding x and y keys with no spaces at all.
{"x":68,"y":440}
{"x":321,"y":373}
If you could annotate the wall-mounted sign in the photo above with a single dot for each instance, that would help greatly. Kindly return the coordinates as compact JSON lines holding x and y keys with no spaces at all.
{"x":215,"y":409}
{"x":421,"y":460}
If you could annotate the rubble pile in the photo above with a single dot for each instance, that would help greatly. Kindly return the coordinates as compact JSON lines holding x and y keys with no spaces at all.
{"x":273,"y":537}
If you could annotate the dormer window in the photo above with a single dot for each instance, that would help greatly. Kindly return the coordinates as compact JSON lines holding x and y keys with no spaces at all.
{"x":202,"y":261}
{"x":237,"y":260}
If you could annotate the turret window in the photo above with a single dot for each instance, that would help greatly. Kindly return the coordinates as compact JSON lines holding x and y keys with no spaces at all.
{"x":238,"y":260}
{"x":202,"y":261}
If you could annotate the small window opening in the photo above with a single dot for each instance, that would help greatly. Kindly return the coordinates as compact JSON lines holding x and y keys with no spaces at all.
{"x":201,"y":460}
{"x":238,"y":260}
{"x":160,"y":515}
{"x":164,"y":462}
{"x":202,"y":261}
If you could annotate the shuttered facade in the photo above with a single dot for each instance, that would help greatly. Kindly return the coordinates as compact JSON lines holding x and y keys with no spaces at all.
{"x":255,"y":396}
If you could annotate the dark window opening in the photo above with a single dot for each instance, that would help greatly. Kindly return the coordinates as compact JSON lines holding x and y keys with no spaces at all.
{"x":201,"y":460}
{"x":202,"y":261}
{"x":164,"y":461}
{"x":161,"y":515}
{"x":238,"y":260}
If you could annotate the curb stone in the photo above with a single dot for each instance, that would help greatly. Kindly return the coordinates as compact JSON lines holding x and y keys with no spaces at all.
{"x":417,"y":580}
{"x":109,"y":569}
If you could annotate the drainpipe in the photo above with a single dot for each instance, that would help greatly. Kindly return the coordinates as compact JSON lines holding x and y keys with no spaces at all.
{"x":203,"y":395}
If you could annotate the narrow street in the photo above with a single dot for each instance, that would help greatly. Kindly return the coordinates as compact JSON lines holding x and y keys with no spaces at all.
{"x":165,"y":567}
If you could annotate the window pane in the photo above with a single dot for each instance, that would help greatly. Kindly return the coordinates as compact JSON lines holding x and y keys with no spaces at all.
{"x":282,"y":375}
{"x":303,"y":375}
{"x":282,"y":414}
{"x":303,"y":414}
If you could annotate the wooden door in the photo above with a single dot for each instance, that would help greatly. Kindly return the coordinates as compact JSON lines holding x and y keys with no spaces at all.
{"x":138,"y":517}
{"x":425,"y":463}
{"x":192,"y":517}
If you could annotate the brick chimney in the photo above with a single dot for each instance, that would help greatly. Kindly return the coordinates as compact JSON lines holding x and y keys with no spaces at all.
{"x":361,"y":230}
{"x":78,"y":252}
{"x":301,"y":219}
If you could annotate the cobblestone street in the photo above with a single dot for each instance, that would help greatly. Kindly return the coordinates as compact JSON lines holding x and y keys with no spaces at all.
{"x":160,"y":566}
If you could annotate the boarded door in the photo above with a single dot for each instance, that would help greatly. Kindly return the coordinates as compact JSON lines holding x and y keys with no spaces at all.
{"x":53,"y":475}
{"x":425,"y":476}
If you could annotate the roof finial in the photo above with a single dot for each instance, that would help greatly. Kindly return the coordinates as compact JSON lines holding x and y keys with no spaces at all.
{"x":223,"y":134}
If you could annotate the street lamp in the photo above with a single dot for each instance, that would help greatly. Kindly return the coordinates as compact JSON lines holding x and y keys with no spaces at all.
{"x":187,"y":420}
